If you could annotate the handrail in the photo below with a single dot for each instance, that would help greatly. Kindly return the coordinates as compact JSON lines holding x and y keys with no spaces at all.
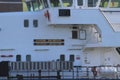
{"x":78,"y":72}
{"x":106,"y":19}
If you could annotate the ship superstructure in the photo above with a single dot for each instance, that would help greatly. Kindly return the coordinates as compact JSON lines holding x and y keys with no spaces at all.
{"x":61,"y":39}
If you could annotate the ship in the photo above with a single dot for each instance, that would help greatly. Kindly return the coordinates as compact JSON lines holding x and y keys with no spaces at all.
{"x":61,"y":39}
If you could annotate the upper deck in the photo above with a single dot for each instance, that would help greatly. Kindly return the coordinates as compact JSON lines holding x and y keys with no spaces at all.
{"x":35,"y":5}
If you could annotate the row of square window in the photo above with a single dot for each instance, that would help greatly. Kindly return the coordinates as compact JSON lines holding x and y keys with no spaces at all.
{"x":26,"y":23}
{"x":18,"y":57}
{"x":62,"y":58}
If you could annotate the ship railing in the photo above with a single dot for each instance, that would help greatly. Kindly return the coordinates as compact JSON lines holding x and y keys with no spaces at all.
{"x":98,"y":72}
{"x":71,"y":72}
{"x":107,"y":19}
{"x":45,"y":65}
{"x":45,"y":69}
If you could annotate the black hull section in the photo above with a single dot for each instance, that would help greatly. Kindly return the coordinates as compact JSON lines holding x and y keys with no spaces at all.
{"x":4,"y":69}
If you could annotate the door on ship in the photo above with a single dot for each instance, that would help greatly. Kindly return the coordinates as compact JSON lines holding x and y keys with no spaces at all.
{"x":4,"y":69}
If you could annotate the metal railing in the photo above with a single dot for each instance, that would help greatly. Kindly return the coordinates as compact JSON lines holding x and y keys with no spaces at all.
{"x":66,"y":70}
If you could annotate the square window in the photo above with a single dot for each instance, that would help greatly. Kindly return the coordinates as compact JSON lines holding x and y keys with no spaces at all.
{"x":18,"y":57}
{"x":72,"y":58}
{"x":62,"y":57}
{"x":26,"y":23}
{"x":74,"y":34}
{"x":28,"y":57}
{"x":35,"y":23}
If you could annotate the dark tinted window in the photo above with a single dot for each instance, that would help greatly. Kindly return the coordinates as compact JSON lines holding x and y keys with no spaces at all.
{"x":26,"y":23}
{"x":62,"y":57}
{"x":74,"y":34}
{"x":80,"y":2}
{"x":18,"y":57}
{"x":71,"y":57}
{"x":35,"y":23}
{"x":28,"y":57}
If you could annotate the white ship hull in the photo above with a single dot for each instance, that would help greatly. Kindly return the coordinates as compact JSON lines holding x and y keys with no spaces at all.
{"x":61,"y":43}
